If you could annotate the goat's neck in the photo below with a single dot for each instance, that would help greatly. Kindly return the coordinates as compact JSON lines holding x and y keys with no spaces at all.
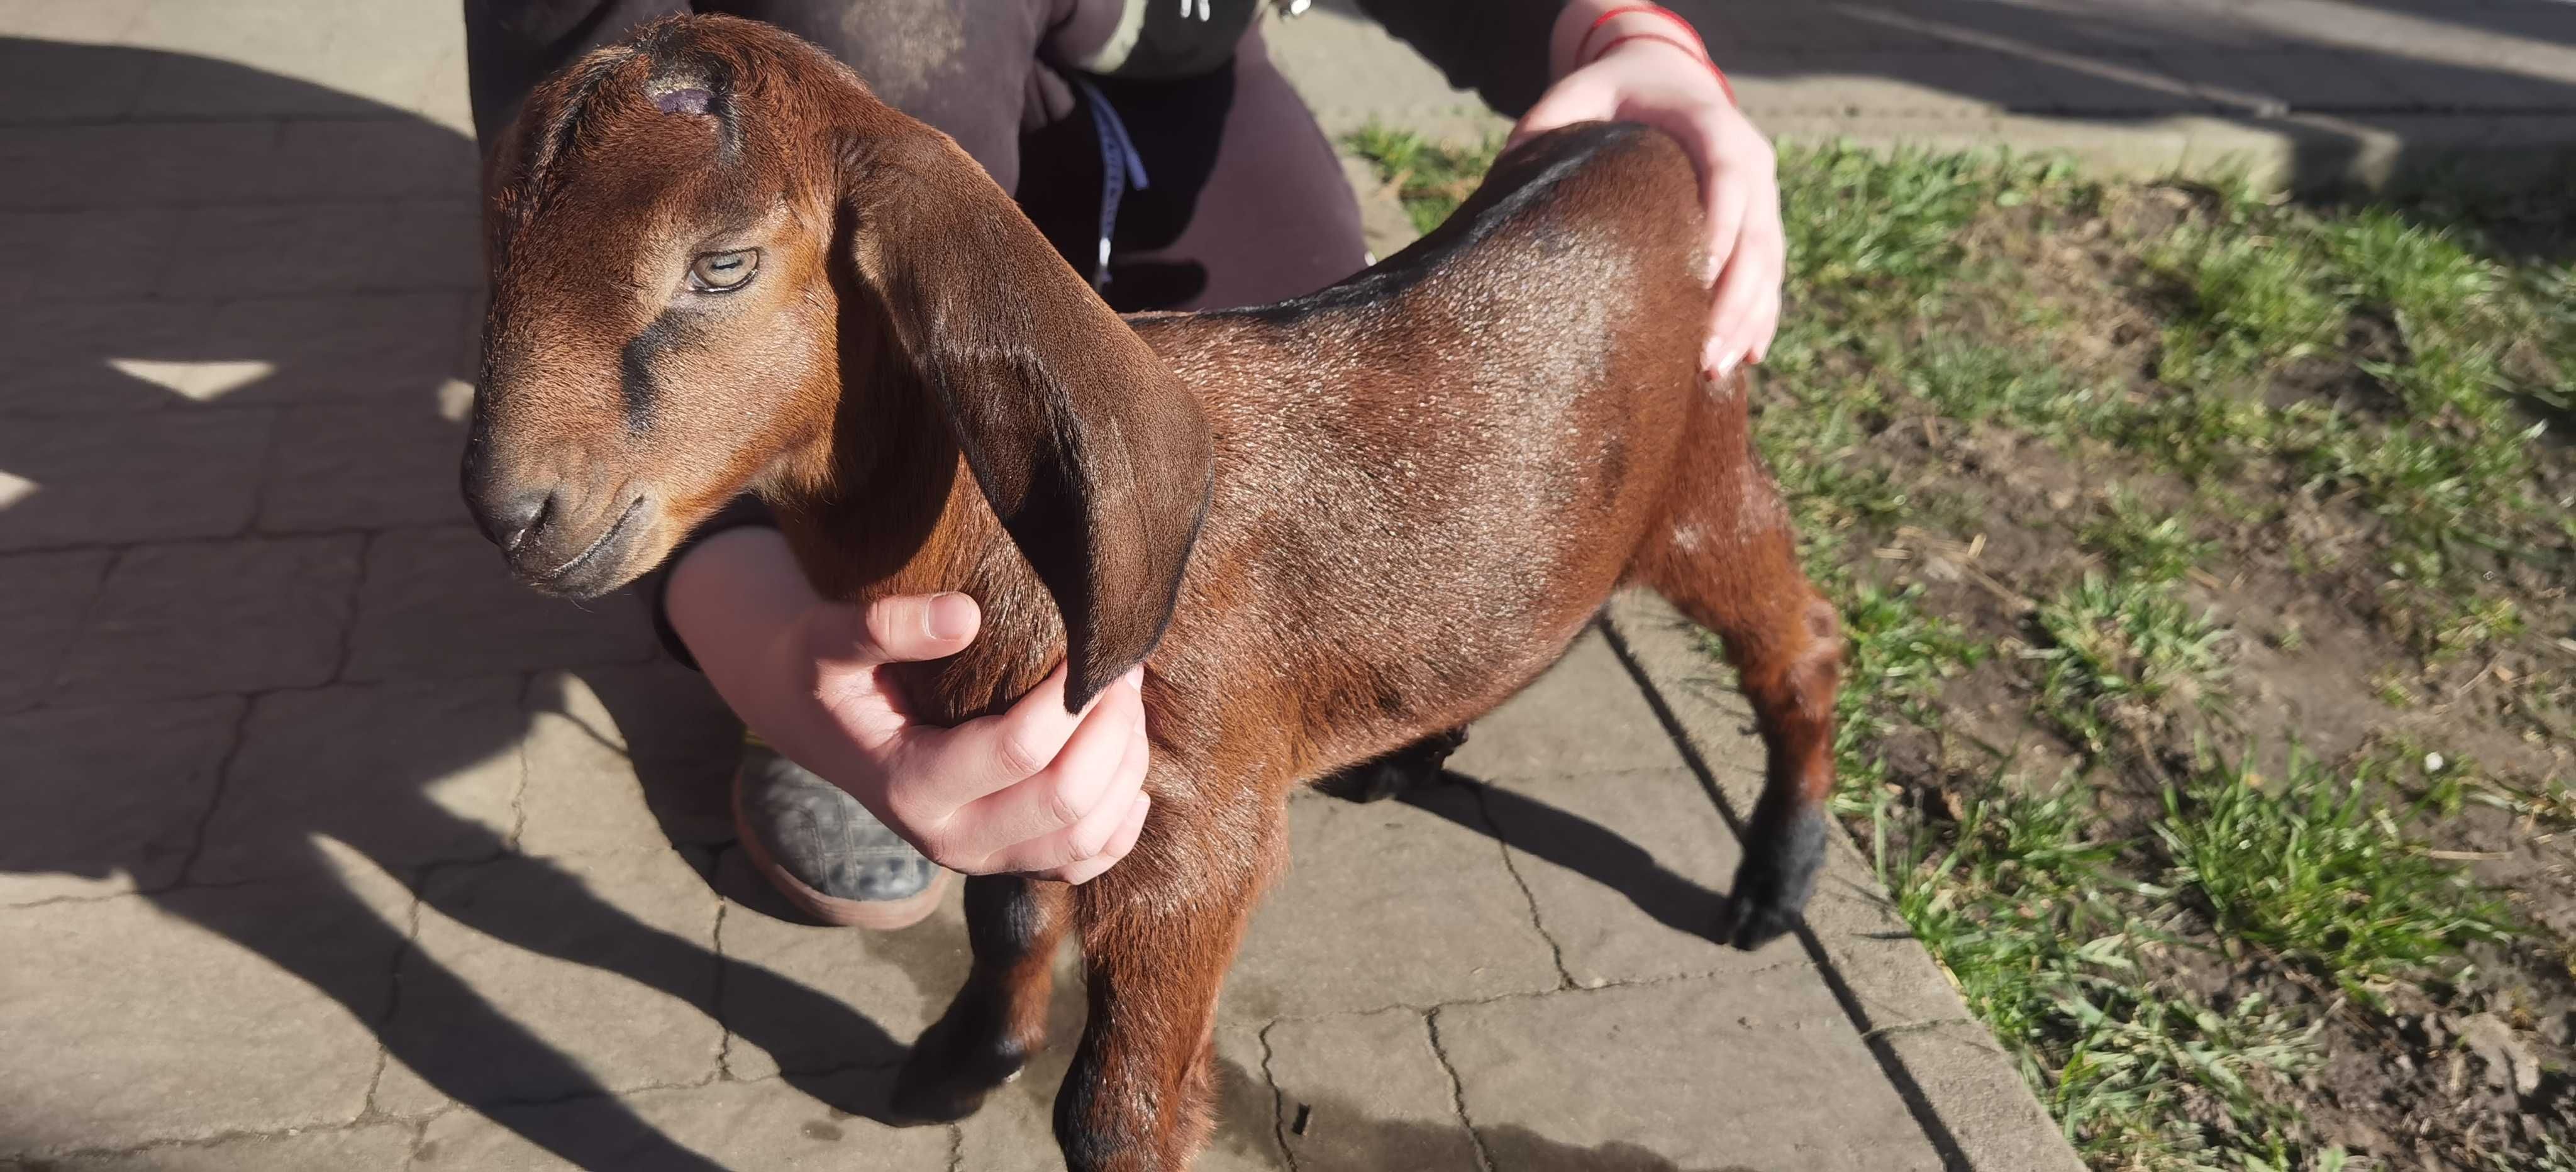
{"x":899,"y":513}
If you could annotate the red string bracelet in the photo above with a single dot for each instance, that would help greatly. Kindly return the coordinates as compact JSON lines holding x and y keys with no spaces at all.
{"x":1699,"y":46}
{"x":1723,"y":85}
{"x":1696,"y":48}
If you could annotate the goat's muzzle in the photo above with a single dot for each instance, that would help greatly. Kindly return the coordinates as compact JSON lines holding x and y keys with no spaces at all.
{"x":557,"y":536}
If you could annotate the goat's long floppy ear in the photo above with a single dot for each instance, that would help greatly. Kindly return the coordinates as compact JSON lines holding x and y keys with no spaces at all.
{"x":1090,"y":450}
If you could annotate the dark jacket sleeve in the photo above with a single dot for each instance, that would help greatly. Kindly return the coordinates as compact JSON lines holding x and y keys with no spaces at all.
{"x":1497,"y":48}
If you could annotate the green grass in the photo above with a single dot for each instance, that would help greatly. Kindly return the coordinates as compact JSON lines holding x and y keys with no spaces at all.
{"x":2059,"y":935}
{"x":2139,"y":542}
{"x":2123,"y":650}
{"x":1431,"y":178}
{"x":2314,"y":868}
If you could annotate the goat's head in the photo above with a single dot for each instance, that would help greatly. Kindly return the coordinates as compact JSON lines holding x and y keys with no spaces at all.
{"x":693,"y":233}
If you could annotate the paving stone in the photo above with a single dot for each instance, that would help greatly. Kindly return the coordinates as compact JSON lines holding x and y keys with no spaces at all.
{"x":81,"y":357}
{"x":606,"y":962}
{"x":409,"y":774}
{"x":1628,"y":870}
{"x":222,"y":616}
{"x":627,"y":757}
{"x":363,"y":466}
{"x":241,"y":58}
{"x":98,"y":20}
{"x":48,"y":81}
{"x":47,"y":594}
{"x":1363,"y":1092}
{"x":1015,"y":1131}
{"x":134,"y":163}
{"x":439,"y":602}
{"x":122,"y":252}
{"x":1905,"y":999}
{"x":1584,"y":716}
{"x":387,"y":246}
{"x":375,"y":158}
{"x":195,"y":1013}
{"x":2272,"y":81}
{"x":806,"y":998}
{"x":387,"y":349}
{"x":1760,"y":1070}
{"x":770,"y":1124}
{"x":1389,"y":904}
{"x":153,"y":477}
{"x":365,"y":1146}
{"x":118,"y":792}
{"x":1968,"y":81}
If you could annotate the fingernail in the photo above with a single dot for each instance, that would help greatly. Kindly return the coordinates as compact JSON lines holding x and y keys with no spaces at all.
{"x":951,"y":616}
{"x":1135,"y":676}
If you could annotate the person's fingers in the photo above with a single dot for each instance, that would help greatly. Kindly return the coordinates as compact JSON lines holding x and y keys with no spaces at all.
{"x":1573,"y":99}
{"x":1119,"y":846}
{"x":1769,"y":244}
{"x":1766,"y":325}
{"x":1064,"y":853}
{"x":1744,"y":284}
{"x":921,"y":626}
{"x":943,"y":769}
{"x":1068,"y":790}
{"x":1725,"y":191}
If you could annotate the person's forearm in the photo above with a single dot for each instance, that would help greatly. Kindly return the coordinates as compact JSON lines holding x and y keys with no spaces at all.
{"x":730,"y":598}
{"x":1582,"y":21}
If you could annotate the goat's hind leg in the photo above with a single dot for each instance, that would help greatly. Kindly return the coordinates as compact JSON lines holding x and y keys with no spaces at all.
{"x":999,"y":1018}
{"x":1728,"y":559}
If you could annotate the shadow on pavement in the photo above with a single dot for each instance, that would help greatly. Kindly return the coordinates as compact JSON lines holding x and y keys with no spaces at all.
{"x":251,"y":325}
{"x":2314,"y":70}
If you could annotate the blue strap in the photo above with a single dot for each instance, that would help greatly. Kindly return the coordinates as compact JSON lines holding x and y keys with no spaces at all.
{"x":1120,"y":169}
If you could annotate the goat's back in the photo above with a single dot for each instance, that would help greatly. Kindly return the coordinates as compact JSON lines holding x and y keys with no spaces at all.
{"x":1429,"y":476}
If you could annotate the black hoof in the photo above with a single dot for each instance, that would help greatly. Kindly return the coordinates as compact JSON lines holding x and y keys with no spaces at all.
{"x":1413,"y":765}
{"x":1781,"y":853}
{"x":944,"y":1081}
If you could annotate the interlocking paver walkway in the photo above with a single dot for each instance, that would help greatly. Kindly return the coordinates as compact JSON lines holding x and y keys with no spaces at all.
{"x":323,"y":846}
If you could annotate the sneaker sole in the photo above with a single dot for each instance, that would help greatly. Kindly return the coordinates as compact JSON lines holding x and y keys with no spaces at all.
{"x":880,"y":915}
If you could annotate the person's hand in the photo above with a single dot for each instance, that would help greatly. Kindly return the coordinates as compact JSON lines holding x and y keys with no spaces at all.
{"x":1642,"y":68}
{"x":1033,"y":790}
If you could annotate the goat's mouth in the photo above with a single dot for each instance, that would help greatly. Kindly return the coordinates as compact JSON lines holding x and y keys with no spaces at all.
{"x":598,"y":568}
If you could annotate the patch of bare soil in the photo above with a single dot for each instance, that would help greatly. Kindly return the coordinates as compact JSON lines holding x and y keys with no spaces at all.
{"x":2473,"y":1071}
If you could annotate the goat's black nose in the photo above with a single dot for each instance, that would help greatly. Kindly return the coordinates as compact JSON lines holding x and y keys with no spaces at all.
{"x":512,"y":520}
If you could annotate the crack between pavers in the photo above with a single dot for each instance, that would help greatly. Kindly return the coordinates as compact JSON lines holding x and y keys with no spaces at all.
{"x":519,"y":751}
{"x":1278,"y":1098}
{"x":394,"y":987}
{"x":183,"y":1143}
{"x":357,"y":595}
{"x":214,"y":798}
{"x":1457,"y":1091}
{"x":53,"y":673}
{"x":1556,"y":950}
{"x":1534,"y":994}
{"x":724,"y":1037}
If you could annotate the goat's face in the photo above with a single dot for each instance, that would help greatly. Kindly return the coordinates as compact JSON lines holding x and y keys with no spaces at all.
{"x":662,"y":327}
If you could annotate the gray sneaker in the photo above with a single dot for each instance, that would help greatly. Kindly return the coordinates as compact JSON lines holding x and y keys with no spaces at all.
{"x":824,"y":851}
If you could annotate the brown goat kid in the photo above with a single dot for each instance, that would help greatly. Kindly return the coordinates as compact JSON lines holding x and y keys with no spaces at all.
{"x":1327,"y":528}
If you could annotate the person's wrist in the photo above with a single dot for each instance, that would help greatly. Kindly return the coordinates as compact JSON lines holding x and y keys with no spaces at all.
{"x":1585,"y":27}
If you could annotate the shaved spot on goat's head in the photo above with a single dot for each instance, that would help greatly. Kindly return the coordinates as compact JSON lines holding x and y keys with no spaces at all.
{"x":659,"y":225}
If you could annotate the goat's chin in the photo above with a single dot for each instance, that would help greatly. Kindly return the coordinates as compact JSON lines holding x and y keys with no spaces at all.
{"x":617,"y":554}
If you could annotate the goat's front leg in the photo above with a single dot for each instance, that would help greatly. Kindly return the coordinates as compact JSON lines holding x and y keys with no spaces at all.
{"x":1157,"y":940}
{"x":1000,"y":1017}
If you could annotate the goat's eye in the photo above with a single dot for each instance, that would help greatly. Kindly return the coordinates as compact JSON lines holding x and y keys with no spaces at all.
{"x":717,"y":272}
